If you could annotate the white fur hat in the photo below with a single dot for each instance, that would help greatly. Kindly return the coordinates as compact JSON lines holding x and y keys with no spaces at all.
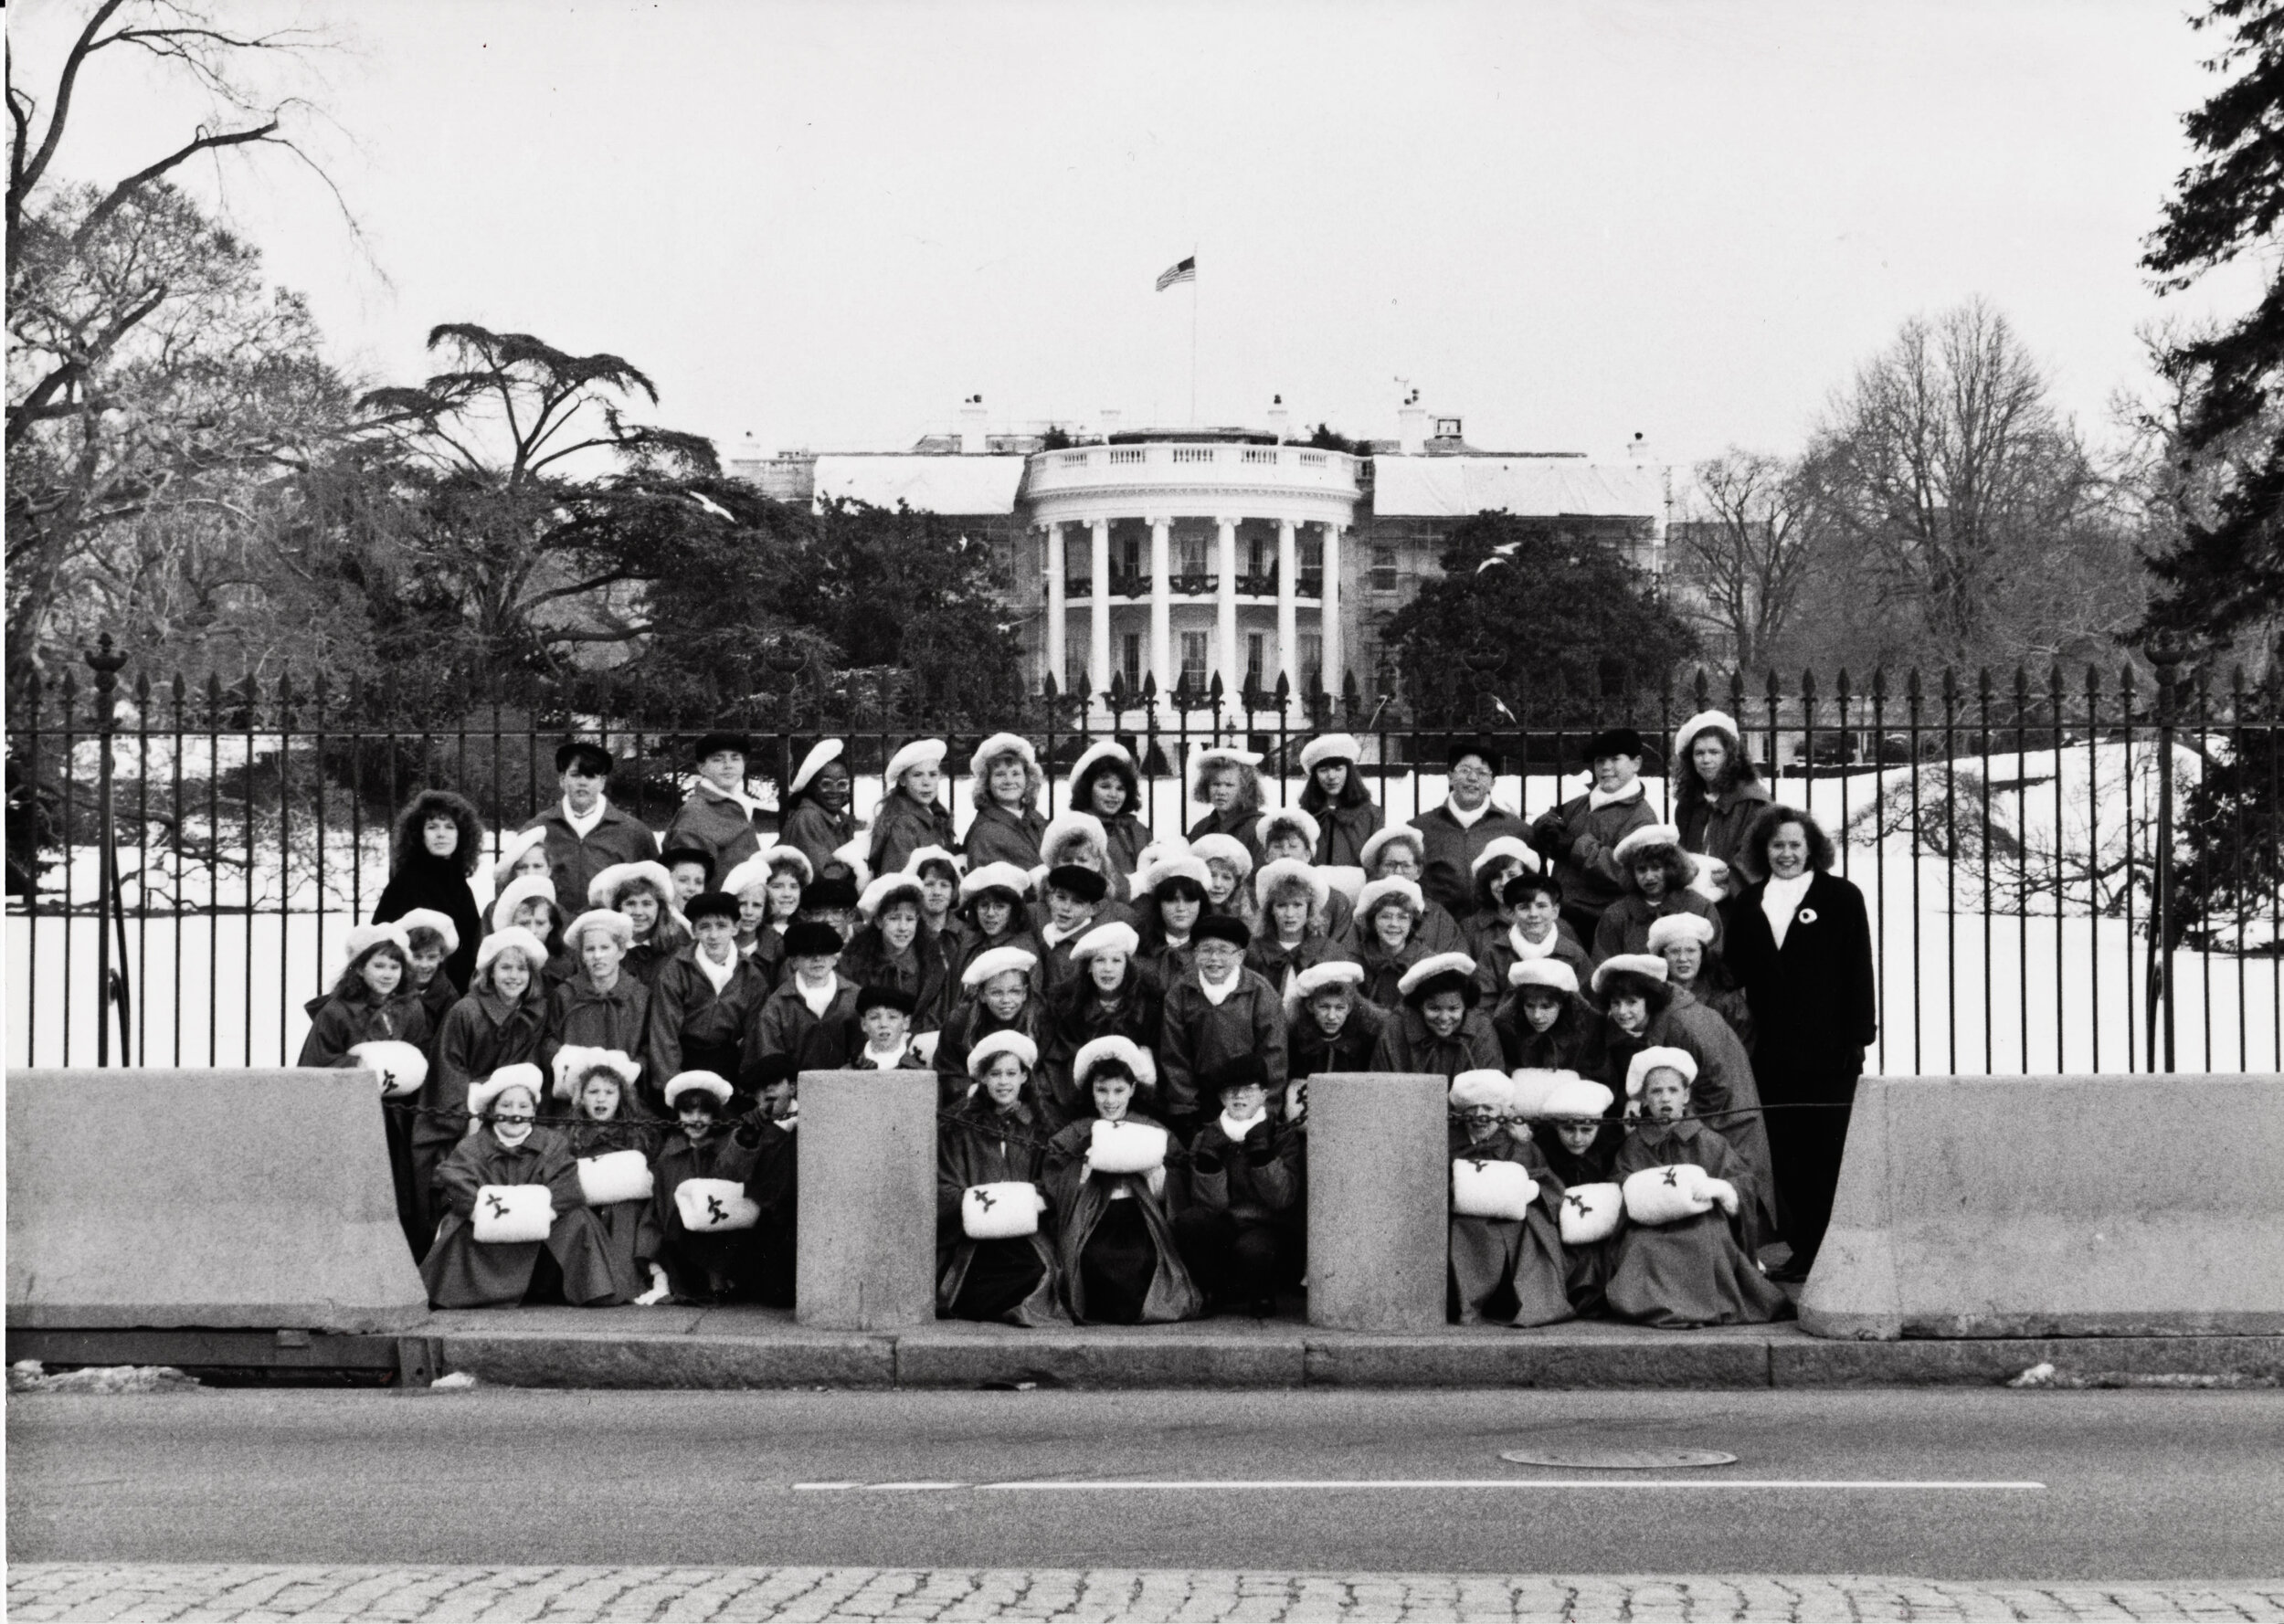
{"x":1117,"y":936}
{"x":1640,"y":964}
{"x":703,"y":1083}
{"x":1658,"y":1057}
{"x":999,"y":1043}
{"x":1276,"y":874}
{"x":1434,"y":964}
{"x":823,"y":750}
{"x":850,"y":854}
{"x":1202,"y":761}
{"x":429,"y":919}
{"x":364,"y":938}
{"x":1711,"y":880}
{"x":999,"y":745}
{"x":518,"y":892}
{"x":1382,"y":839}
{"x":1330,"y":973}
{"x":1685,"y":735}
{"x":522,"y":1075}
{"x":1004,"y":877}
{"x":1147,"y":880}
{"x":511,"y":849}
{"x":934,"y":854}
{"x":1549,"y":972}
{"x":1505,"y":846}
{"x":1680,"y":927}
{"x":602,"y":891}
{"x":999,"y":961}
{"x":778,"y":855}
{"x":1094,"y":756}
{"x":1291,"y":817}
{"x":1481,"y":1086}
{"x":1226,"y":849}
{"x":1649,"y":836}
{"x":1162,"y":850}
{"x":920,"y":752}
{"x":608,"y":920}
{"x":515,"y":939}
{"x":749,"y":875}
{"x":574,"y":1061}
{"x":1136,"y":1059}
{"x":876,"y":895}
{"x":401,"y":1067}
{"x":1343,"y":877}
{"x":1533,"y":1086}
{"x":1327,"y":747}
{"x":1066,"y":827}
{"x":1368,"y":900}
{"x":1576,"y":1098}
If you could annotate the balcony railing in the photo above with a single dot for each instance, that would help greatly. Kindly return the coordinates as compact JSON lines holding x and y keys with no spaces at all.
{"x":1312,"y":583}
{"x":1261,"y":585}
{"x":1193,"y":584}
{"x":1079,"y":586}
{"x":1129,"y":585}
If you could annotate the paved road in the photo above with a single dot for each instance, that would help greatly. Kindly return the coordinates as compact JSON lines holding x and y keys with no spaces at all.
{"x":2137,"y":1485}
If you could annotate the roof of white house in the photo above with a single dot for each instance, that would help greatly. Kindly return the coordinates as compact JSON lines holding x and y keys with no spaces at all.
{"x":1451,"y":487}
{"x":933,"y":483}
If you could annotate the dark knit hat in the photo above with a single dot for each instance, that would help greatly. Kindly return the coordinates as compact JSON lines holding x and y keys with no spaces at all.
{"x":710,"y":744}
{"x":1613,"y":741}
{"x":1223,"y":927}
{"x":1235,"y":1072}
{"x":886,"y":997}
{"x":589,"y":756}
{"x":675,"y":855}
{"x":809,"y":938}
{"x":1086,"y":884}
{"x":833,"y":891}
{"x":711,"y":904}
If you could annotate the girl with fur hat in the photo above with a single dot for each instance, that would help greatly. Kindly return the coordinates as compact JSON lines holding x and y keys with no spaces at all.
{"x":429,"y":939}
{"x":1226,"y":781}
{"x":1290,"y":929}
{"x":816,"y":817}
{"x":1335,"y":796}
{"x":912,"y":816}
{"x":1656,"y":874}
{"x":1685,"y":943}
{"x":1290,"y":835}
{"x":703,"y":1002}
{"x":1228,"y":864}
{"x":1389,"y":916}
{"x":1399,"y":853}
{"x":891,"y":949}
{"x":600,"y":1005}
{"x":994,"y":1137}
{"x":1543,"y":1022}
{"x":1106,"y":784}
{"x":1239,"y":1231}
{"x":710,"y":1256}
{"x":596,"y":1089}
{"x":499,"y":1022}
{"x":1438,"y":1025}
{"x":1004,"y":784}
{"x":1330,"y":1025}
{"x":1715,"y":790}
{"x":1526,"y":926}
{"x":1112,"y":994}
{"x":465,"y":1268}
{"x":1217,"y":1010}
{"x":1683,"y":1258}
{"x":811,"y":1016}
{"x":991,"y":909}
{"x":1569,"y":1131}
{"x":644,"y":892}
{"x":372,"y":999}
{"x":718,"y":816}
{"x":769,"y":887}
{"x":998,"y":993}
{"x":1506,"y":1270}
{"x":437,"y":843}
{"x":1172,"y":897}
{"x":1115,"y":1249}
{"x":528,"y":901}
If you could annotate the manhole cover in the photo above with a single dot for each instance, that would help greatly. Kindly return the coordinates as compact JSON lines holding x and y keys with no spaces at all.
{"x":1618,"y":1460}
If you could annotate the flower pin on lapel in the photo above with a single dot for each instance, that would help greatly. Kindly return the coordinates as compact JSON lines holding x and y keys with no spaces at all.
{"x":1806,"y":916}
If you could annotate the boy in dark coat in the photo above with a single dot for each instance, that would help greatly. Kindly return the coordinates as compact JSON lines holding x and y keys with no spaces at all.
{"x":812,"y":1017}
{"x":1454,"y":835}
{"x":1581,"y":837}
{"x":584,"y":833}
{"x":599,"y":1004}
{"x":705,"y":1000}
{"x":718,"y":816}
{"x":1241,"y":1233}
{"x":1217,"y":1011}
{"x":1528,"y":926}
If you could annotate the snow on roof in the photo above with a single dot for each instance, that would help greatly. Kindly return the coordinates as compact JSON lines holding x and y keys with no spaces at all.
{"x":1453,"y":487}
{"x":926,"y":484}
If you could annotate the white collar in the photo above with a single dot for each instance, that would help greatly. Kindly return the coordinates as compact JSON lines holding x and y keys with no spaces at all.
{"x":1218,"y":996}
{"x":818,"y":998}
{"x":1781,"y":901}
{"x":1055,"y":935}
{"x":1465,"y":820}
{"x":1596,"y":799}
{"x":584,"y":826}
{"x":706,"y":787}
{"x":1524,"y":949}
{"x":1235,"y":1129}
{"x":719,"y":974}
{"x":887,"y":1060}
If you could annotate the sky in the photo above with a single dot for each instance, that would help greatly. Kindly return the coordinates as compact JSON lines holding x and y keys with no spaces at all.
{"x":824,"y":224}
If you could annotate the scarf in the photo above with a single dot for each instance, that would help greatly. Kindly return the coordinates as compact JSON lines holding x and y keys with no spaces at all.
{"x":718,"y":974}
{"x":818,"y":998}
{"x":1218,"y":996}
{"x":705,"y":786}
{"x":1781,"y":901}
{"x":1055,"y":935}
{"x":585,"y":826}
{"x":1526,"y":949}
{"x":1596,"y":800}
{"x":1467,"y":820}
{"x":1235,"y":1129}
{"x":888,"y":1058}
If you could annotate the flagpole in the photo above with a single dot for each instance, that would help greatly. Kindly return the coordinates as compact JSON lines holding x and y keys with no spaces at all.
{"x":1193,"y":335}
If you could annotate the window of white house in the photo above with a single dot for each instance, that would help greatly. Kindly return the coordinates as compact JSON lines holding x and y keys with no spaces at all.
{"x":1130,"y":658}
{"x":1312,"y":661}
{"x":1193,"y":660}
{"x":1256,"y":658}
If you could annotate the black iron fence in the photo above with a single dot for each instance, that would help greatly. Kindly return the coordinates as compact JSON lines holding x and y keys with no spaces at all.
{"x":183,"y":857}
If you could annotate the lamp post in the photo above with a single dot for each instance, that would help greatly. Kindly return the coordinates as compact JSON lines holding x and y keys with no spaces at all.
{"x":107,"y":662}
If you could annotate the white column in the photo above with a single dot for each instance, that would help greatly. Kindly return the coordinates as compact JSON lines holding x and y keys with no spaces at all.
{"x":1232,"y":657}
{"x":1331,"y":614}
{"x":1098,"y":615}
{"x":1058,"y":606}
{"x":1162,"y":605}
{"x":1288,"y":609}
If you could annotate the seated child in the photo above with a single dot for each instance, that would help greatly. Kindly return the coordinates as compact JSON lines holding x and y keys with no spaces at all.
{"x":1438,"y":1027}
{"x":1544,"y":1023}
{"x":1115,"y":1249}
{"x":745,"y":1262}
{"x":1528,"y":926}
{"x":995,"y":1136}
{"x":1113,"y":995}
{"x":1569,"y":1132}
{"x":644,"y":892}
{"x":1686,"y":1270}
{"x":1075,"y":899}
{"x":1327,"y":1027}
{"x":996,"y":991}
{"x":597,"y":1085}
{"x":1388,"y":916}
{"x":884,"y":1018}
{"x":601,"y":1006}
{"x":1241,"y":1232}
{"x":570,"y":1265}
{"x":1507,"y":1270}
{"x":812,"y":1017}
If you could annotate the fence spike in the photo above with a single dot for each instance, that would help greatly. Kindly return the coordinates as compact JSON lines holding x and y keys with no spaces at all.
{"x":1703,"y":688}
{"x":1807,"y":686}
{"x":1911,"y":686}
{"x":1776,"y":689}
{"x":182,"y":689}
{"x":1982,"y":685}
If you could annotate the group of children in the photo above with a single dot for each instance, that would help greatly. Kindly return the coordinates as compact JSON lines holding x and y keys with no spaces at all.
{"x":1120,"y":1029}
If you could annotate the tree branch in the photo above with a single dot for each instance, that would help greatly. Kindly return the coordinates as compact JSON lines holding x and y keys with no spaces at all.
{"x":119,"y":194}
{"x":23,"y":178}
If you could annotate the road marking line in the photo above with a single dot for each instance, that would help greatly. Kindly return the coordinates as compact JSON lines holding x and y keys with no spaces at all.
{"x":1168,"y":1485}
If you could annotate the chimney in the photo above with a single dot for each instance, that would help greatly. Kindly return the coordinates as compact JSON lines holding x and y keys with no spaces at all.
{"x":973,"y":419}
{"x":1110,"y":421}
{"x":1411,"y":425}
{"x":1280,"y":420}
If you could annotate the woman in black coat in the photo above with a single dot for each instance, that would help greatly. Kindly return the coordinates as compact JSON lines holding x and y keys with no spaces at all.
{"x":1801,"y":944}
{"x":439,"y":841}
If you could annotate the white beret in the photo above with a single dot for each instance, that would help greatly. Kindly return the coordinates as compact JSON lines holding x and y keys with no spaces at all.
{"x":1343,"y":877}
{"x":1659,"y":1056}
{"x":574,"y":1060}
{"x":364,"y":938}
{"x":878,"y":894}
{"x":1178,"y":866}
{"x":1159,"y":852}
{"x":1094,"y":756}
{"x":750,"y":875}
{"x":1505,"y":846}
{"x":1685,"y":735}
{"x":1434,"y":964}
{"x":429,"y":919}
{"x":514,"y":939}
{"x":1117,"y":936}
{"x":998,"y":960}
{"x":999,"y":745}
{"x":1223,"y":755}
{"x":1066,"y":827}
{"x":1533,"y":1087}
{"x":1577,"y":1099}
{"x":608,"y":920}
{"x":934,"y":854}
{"x":1368,"y":900}
{"x":1227,"y":848}
{"x":1640,"y":964}
{"x":823,"y":750}
{"x":1711,"y":880}
{"x":1330,"y":973}
{"x":850,"y":854}
{"x":525,"y":889}
{"x":1649,"y":835}
{"x":1291,"y":817}
{"x":522,"y":1075}
{"x":1291,"y":868}
{"x":1136,"y":1059}
{"x":1327,"y":747}
{"x":920,"y":752}
{"x":1387,"y":837}
{"x":1680,"y":927}
{"x":602,"y":891}
{"x":1004,"y":877}
{"x":703,"y":1083}
{"x":1549,"y":972}
{"x":998,"y":1043}
{"x":511,"y":849}
{"x":1484,"y":1087}
{"x":778,"y":855}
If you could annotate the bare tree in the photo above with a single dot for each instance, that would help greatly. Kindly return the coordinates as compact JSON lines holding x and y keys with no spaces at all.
{"x":1745,"y":549}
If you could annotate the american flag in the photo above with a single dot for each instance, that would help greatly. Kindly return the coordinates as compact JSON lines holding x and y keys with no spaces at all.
{"x":1187,"y":271}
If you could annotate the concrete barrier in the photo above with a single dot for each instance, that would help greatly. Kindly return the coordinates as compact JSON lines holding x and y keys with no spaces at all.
{"x":2056,"y":1207}
{"x":865,"y":1257}
{"x":161,"y":1197}
{"x":1379,"y":1207}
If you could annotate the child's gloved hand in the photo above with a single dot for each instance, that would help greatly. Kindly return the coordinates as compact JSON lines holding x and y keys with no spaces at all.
{"x":657,"y":1292}
{"x":1585,"y":850}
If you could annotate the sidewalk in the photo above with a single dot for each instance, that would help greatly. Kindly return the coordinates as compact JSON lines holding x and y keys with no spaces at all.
{"x":760,"y":1348}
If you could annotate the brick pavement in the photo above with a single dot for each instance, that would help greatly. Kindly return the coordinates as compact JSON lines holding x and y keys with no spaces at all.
{"x":212,"y":1594}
